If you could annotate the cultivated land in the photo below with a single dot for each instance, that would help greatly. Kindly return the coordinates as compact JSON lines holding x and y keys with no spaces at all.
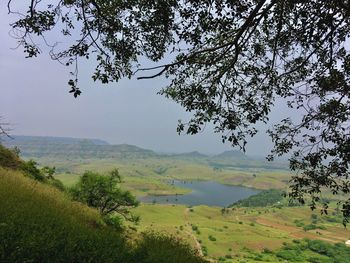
{"x":237,"y":234}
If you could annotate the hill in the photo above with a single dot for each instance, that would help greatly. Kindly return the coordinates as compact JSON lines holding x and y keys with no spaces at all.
{"x":58,"y":148}
{"x":191,"y":155}
{"x":51,"y":139}
{"x":233,"y":154}
{"x":37,"y":146}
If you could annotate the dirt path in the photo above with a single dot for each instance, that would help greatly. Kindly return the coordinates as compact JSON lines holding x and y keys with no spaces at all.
{"x":189,"y":231}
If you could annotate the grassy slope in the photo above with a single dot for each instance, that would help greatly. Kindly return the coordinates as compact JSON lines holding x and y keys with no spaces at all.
{"x":39,"y":223}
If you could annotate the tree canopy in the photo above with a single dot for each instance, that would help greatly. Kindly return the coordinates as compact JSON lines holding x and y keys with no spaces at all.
{"x":232,"y":61}
{"x":103,"y":193}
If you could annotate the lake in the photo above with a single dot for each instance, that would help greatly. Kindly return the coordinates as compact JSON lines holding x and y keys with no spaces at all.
{"x":203,"y":193}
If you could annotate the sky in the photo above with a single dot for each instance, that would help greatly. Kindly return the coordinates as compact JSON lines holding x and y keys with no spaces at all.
{"x":34,"y":99}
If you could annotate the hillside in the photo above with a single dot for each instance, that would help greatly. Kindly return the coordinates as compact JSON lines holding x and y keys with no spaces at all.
{"x":37,"y":146}
{"x":39,"y":223}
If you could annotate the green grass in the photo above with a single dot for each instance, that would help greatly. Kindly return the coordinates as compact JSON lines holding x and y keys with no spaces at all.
{"x":39,"y":223}
{"x":240,"y":233}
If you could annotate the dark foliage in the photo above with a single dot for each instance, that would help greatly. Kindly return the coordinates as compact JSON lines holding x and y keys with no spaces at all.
{"x":9,"y":159}
{"x":264,"y":198}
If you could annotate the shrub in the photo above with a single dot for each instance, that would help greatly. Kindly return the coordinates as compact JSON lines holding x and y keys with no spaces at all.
{"x":9,"y":159}
{"x":211,"y":238}
{"x":290,"y":255}
{"x":267,"y":251}
{"x":310,"y":227}
{"x":194,"y":227}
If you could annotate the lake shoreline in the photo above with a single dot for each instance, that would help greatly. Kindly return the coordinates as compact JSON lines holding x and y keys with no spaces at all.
{"x":203,"y":192}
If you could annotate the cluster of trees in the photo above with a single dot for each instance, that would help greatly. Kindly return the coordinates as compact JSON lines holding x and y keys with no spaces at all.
{"x":262,"y":199}
{"x":232,"y":61}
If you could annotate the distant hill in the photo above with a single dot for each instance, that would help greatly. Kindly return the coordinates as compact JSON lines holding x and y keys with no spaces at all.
{"x":37,"y":146}
{"x":69,"y":148}
{"x":193,"y":154}
{"x":50,"y":139}
{"x":236,"y":159}
{"x":233,"y":154}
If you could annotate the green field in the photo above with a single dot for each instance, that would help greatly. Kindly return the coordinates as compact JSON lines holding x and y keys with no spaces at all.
{"x":241,"y":232}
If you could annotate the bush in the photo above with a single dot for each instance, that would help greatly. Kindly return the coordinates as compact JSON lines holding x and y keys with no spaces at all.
{"x":267,"y":251}
{"x":211,"y":238}
{"x":310,"y":227}
{"x":290,"y":255}
{"x":299,"y":223}
{"x":9,"y":159}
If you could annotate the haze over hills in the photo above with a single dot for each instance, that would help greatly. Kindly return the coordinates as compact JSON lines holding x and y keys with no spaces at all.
{"x":233,"y":154}
{"x":23,"y":139}
{"x":37,"y":146}
{"x":61,"y":147}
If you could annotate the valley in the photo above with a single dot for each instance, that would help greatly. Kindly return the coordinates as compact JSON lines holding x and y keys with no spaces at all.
{"x":168,"y":185}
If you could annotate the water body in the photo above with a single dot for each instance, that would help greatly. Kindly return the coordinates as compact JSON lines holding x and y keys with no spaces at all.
{"x":203,"y":193}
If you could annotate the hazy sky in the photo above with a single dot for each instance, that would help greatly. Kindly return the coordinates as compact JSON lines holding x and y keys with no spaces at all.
{"x":34,"y":98}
